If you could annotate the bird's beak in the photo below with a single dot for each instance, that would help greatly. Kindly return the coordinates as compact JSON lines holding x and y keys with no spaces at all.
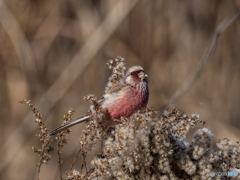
{"x":142,"y":76}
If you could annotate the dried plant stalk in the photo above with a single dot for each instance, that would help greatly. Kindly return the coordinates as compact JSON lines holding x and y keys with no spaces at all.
{"x":44,"y":152}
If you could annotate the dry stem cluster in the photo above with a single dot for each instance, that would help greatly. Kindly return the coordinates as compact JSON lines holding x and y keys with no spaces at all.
{"x":147,"y":145}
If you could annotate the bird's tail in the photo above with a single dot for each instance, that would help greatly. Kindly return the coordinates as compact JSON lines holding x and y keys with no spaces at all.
{"x":68,"y":125}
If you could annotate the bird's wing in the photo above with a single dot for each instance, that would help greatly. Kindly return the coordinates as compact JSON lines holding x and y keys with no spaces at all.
{"x":68,"y":125}
{"x":114,"y":89}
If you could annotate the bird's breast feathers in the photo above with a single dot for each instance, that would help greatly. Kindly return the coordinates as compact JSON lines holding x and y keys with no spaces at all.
{"x":123,"y":103}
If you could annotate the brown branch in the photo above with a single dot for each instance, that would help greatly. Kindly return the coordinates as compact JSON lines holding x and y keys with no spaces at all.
{"x":188,"y":83}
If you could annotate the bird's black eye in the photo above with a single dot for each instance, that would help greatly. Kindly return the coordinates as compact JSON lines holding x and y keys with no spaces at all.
{"x":132,"y":73}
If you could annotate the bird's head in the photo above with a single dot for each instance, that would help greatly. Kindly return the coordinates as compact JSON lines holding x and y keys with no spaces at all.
{"x":135,"y":75}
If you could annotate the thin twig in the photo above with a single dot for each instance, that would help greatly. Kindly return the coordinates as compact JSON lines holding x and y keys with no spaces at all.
{"x":68,"y":76}
{"x":60,"y":162}
{"x":188,"y":83}
{"x":89,"y":173}
{"x":39,"y":168}
{"x":81,"y":168}
{"x":75,"y":158}
{"x":40,"y":161}
{"x":84,"y":154}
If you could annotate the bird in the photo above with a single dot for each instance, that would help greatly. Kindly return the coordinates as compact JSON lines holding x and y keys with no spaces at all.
{"x":130,"y":94}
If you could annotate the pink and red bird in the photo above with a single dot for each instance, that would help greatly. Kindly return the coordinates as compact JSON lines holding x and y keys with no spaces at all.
{"x":123,"y":99}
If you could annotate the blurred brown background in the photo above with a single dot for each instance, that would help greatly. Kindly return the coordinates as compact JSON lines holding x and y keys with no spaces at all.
{"x":54,"y":53}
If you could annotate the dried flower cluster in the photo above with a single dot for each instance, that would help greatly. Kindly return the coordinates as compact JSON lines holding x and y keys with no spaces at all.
{"x":147,"y":145}
{"x":45,"y":140}
{"x":61,"y":138}
{"x":150,"y":146}
{"x":118,"y":71}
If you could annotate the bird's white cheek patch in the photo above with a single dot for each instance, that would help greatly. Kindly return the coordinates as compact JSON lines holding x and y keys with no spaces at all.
{"x":129,"y":80}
